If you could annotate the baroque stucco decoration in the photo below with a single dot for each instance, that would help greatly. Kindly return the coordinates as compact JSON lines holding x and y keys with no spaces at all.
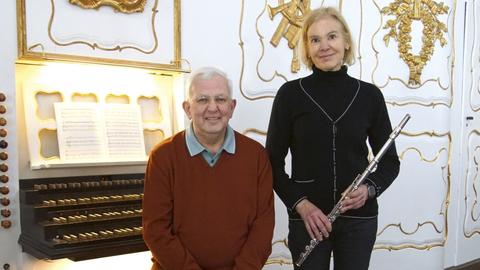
{"x":405,"y":12}
{"x":290,"y":26}
{"x":125,"y":6}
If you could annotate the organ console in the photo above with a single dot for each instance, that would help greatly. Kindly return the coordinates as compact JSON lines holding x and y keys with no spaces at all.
{"x":81,"y":217}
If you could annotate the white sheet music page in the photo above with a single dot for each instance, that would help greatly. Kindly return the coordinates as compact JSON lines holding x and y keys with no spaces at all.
{"x":80,"y":131}
{"x":92,"y":132}
{"x":124,"y":132}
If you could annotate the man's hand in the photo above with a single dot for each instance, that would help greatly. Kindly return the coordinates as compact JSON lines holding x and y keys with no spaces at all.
{"x":317,"y":224}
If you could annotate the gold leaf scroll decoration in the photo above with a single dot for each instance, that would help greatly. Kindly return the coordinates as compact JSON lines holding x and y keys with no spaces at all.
{"x":125,"y":6}
{"x":405,"y":12}
{"x":290,"y":27}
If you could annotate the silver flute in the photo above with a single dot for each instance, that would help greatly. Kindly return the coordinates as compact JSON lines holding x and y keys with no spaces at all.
{"x":332,"y":216}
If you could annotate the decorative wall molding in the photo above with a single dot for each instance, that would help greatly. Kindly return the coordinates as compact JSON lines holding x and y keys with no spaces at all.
{"x":471,"y":196}
{"x":58,"y":30}
{"x":471,"y":144}
{"x":405,"y":12}
{"x":423,"y":230}
{"x":430,"y":84}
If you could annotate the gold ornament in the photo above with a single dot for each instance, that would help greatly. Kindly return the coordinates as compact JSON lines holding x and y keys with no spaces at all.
{"x":290,"y":27}
{"x":125,"y":6}
{"x":405,"y":12}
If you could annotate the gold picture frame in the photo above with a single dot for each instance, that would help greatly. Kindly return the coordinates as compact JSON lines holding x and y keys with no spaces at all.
{"x":60,"y":49}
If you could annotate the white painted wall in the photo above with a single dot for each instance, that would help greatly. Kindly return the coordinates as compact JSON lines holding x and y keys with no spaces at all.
{"x":425,"y":217}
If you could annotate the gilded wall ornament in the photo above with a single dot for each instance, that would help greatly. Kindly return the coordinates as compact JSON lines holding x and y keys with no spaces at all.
{"x":125,"y":6}
{"x":290,"y":27}
{"x":405,"y":12}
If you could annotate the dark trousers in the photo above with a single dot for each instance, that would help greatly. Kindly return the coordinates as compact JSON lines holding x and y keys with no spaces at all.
{"x":351,"y":242}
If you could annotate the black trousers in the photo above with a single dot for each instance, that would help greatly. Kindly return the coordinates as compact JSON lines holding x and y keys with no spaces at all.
{"x":351,"y":242}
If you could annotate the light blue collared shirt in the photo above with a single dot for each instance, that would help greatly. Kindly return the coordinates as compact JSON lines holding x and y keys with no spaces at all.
{"x":195,"y":147}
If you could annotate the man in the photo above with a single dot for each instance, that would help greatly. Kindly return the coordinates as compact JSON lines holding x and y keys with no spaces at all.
{"x":208,"y":198}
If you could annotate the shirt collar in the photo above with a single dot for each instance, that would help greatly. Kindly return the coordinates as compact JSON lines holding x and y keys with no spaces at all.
{"x":195,"y":147}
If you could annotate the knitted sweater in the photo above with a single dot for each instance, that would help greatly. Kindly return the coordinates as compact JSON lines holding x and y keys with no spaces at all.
{"x":201,"y":217}
{"x":325,"y":126}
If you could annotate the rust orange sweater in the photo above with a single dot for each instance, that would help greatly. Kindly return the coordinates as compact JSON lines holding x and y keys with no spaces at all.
{"x":210,"y":218}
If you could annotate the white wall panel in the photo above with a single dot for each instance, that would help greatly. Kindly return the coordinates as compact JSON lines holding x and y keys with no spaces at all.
{"x":469,"y":184}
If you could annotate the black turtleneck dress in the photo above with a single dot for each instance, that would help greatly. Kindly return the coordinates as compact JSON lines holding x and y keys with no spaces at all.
{"x":325,"y":120}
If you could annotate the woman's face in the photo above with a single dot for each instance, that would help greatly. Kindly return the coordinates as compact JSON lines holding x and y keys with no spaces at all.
{"x":326,"y":44}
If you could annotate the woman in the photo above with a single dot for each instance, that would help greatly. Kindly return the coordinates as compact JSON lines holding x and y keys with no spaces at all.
{"x":325,"y":120}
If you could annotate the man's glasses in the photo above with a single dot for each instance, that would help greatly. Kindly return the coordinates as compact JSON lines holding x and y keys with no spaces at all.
{"x":204,"y":100}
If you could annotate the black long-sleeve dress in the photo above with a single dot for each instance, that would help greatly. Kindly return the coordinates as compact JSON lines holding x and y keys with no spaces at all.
{"x":325,"y":120}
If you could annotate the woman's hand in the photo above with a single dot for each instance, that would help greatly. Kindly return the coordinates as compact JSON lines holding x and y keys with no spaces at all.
{"x":317,"y":224}
{"x":355,"y":199}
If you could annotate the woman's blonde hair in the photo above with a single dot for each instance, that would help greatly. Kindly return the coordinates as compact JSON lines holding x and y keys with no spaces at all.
{"x":314,"y":16}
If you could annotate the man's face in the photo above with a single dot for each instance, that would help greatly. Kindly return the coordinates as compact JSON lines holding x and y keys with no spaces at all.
{"x":210,"y":107}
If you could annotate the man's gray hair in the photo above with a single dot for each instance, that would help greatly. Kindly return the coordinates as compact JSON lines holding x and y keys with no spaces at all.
{"x":206,"y":73}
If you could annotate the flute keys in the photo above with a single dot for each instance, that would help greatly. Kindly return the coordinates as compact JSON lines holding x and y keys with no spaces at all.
{"x":3,"y":121}
{"x":3,"y":109}
{"x":2,"y":97}
{"x":3,"y":132}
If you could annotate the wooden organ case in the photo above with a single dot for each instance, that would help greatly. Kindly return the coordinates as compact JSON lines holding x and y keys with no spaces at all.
{"x":81,"y":217}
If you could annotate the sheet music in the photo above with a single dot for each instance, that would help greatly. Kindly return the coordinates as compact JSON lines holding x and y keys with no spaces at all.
{"x":124,"y":131}
{"x":99,"y":132}
{"x":79,"y":132}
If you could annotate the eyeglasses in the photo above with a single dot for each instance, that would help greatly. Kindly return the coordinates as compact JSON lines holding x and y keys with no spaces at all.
{"x":204,"y":100}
